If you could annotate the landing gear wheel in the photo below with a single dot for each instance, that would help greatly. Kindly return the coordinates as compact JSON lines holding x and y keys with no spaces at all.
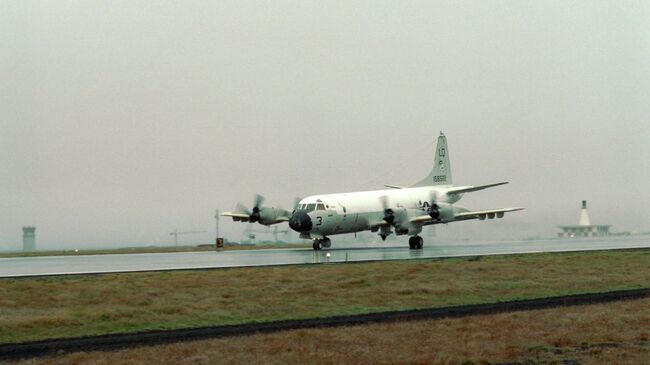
{"x":416,"y":242}
{"x":326,"y":243}
{"x":317,"y":245}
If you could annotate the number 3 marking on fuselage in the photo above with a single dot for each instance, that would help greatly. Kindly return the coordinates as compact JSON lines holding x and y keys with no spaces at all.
{"x":320,"y":221}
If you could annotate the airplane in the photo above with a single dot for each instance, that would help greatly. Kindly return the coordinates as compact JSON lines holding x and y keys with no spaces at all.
{"x":399,"y":209}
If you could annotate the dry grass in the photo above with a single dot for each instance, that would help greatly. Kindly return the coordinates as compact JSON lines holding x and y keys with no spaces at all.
{"x":59,"y":307}
{"x":614,"y":333}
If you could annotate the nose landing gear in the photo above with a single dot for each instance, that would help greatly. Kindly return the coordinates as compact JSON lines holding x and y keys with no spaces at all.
{"x":320,"y":243}
{"x":416,"y":243}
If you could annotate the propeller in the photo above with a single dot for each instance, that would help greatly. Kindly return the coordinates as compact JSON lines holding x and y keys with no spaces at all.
{"x":296,"y":201}
{"x":434,"y":209}
{"x":389,"y":215}
{"x":253,"y":215}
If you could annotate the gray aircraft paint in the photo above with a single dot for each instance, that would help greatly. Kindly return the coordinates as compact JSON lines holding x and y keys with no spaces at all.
{"x":333,"y":214}
{"x":441,"y":172}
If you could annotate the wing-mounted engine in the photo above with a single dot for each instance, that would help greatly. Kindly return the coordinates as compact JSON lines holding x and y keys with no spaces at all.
{"x":260,"y":214}
{"x":438,"y":210}
{"x":396,"y":218}
{"x":272,"y":215}
{"x":445,"y":212}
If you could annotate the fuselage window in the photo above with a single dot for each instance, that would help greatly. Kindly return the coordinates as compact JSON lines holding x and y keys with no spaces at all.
{"x":310,"y":207}
{"x":320,"y":207}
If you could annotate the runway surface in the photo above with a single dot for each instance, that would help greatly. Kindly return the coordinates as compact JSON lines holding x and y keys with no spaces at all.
{"x":89,"y":264}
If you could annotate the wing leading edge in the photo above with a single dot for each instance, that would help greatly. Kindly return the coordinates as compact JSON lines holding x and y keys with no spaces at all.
{"x":240,"y":217}
{"x":237,"y":217}
{"x":480,"y":215}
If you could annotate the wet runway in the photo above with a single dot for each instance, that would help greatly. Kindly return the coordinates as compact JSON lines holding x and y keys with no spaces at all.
{"x":88,"y":264}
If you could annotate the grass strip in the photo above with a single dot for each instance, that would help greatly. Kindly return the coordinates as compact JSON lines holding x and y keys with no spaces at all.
{"x":41,"y":308}
{"x":121,"y":341}
{"x":611,"y":333}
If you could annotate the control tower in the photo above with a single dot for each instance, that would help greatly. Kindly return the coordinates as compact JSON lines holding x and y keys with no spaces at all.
{"x":584,"y":227}
{"x":29,"y":239}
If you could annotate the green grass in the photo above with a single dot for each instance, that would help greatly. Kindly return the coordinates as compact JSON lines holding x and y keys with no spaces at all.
{"x":41,"y":308}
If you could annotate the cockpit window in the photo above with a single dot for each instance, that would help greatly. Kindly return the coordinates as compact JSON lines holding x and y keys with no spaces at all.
{"x":320,"y":206}
{"x":310,"y":207}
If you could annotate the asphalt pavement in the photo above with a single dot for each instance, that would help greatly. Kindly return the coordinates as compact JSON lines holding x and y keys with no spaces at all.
{"x":89,"y":264}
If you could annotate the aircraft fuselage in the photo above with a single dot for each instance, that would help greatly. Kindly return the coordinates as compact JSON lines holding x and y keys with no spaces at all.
{"x":332,"y":214}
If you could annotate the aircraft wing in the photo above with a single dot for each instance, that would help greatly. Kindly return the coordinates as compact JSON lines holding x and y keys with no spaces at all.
{"x":481,"y":215}
{"x":242,"y":217}
{"x":379,"y":223}
{"x":468,"y":189}
{"x":237,"y":217}
{"x":393,"y":186}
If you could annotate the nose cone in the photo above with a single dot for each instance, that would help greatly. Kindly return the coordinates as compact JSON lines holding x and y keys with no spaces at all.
{"x":300,"y":221}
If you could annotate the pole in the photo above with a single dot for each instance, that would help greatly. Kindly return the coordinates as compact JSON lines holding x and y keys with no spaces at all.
{"x":216,"y":218}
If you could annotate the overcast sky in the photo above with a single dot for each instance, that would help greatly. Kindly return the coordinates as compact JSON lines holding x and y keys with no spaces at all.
{"x":123,"y":120}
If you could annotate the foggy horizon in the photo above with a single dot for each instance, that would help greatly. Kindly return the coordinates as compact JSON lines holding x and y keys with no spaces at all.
{"x":124,"y":121}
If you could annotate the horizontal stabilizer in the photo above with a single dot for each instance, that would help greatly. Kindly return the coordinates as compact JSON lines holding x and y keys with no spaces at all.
{"x":393,"y":186}
{"x":469,"y":189}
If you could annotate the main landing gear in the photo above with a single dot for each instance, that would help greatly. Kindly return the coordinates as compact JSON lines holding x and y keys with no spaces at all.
{"x":416,"y":243}
{"x":320,"y":243}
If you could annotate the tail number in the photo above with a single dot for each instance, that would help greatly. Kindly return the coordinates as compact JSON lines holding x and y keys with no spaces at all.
{"x":439,"y":178}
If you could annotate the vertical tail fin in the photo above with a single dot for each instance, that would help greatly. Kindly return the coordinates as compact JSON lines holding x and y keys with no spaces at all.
{"x":441,"y":172}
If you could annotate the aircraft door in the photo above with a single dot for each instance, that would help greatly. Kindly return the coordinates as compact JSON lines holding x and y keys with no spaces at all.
{"x":345,"y":218}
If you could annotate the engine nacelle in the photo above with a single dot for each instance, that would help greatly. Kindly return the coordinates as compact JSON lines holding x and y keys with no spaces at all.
{"x":445,"y":212}
{"x":271,"y":215}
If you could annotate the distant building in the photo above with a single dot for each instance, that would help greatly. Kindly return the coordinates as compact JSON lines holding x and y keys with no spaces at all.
{"x":584,"y":227}
{"x":29,"y":239}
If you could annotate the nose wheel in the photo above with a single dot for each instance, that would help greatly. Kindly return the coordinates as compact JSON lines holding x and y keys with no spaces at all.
{"x":319,"y":244}
{"x":416,"y":243}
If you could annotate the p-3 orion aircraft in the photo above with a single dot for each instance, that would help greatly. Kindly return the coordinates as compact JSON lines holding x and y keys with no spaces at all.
{"x":400,"y":210}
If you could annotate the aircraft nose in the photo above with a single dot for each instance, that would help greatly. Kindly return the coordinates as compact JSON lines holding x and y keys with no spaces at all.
{"x":300,"y":221}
